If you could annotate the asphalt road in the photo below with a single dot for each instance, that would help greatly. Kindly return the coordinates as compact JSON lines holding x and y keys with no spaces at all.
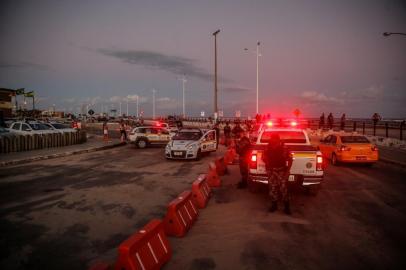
{"x":67,"y":212}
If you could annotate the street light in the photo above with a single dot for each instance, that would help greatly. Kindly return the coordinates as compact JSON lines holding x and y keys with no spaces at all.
{"x":387,"y":34}
{"x":258,"y":55}
{"x":183,"y":80}
{"x":215,"y":72}
{"x":153,"y":103}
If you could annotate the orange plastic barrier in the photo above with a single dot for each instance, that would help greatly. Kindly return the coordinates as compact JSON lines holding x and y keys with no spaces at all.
{"x":212,"y":177}
{"x":181,"y":215}
{"x":221,"y":167}
{"x":147,"y":249}
{"x":201,"y":191}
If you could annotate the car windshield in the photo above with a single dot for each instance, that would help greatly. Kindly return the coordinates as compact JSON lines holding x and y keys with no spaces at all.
{"x":285,"y":136}
{"x":354,"y":139}
{"x":188,"y":136}
{"x":59,"y":126}
{"x":39,"y":126}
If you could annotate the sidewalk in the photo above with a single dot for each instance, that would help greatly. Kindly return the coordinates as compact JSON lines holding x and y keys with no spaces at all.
{"x":392,"y":155}
{"x":94,"y":143}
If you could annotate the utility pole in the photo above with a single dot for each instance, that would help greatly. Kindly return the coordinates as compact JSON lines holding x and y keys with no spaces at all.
{"x":127,"y":107}
{"x":153,"y":103}
{"x":120,"y":109}
{"x":257,"y":73}
{"x":215,"y":73}
{"x":183,"y":79}
{"x":138,"y":115}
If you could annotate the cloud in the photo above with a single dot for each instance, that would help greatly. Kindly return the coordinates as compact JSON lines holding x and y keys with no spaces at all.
{"x":319,"y":98}
{"x":24,"y":64}
{"x":154,"y":60}
{"x":236,"y":89}
{"x":371,"y":92}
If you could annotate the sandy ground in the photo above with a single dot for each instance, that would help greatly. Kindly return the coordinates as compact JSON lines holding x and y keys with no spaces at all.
{"x":65,"y":213}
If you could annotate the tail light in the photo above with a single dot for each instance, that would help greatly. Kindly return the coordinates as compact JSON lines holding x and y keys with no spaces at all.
{"x":374,"y":148}
{"x":269,"y":124}
{"x":253,"y":161}
{"x":293,"y":123}
{"x":344,"y":148}
{"x":319,"y":163}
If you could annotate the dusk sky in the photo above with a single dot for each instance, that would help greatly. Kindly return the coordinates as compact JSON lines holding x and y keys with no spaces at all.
{"x":318,"y":55}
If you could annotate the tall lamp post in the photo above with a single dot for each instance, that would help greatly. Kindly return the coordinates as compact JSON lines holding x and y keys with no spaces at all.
{"x":215,"y":72}
{"x":258,"y":54}
{"x":153,"y":103}
{"x":183,"y":80}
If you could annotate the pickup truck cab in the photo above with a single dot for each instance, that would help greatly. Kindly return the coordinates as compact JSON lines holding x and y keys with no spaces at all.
{"x":146,"y":136}
{"x":191,"y":143}
{"x":307,"y":166}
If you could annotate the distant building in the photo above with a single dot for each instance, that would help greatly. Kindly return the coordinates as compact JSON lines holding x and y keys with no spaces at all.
{"x":6,"y":106}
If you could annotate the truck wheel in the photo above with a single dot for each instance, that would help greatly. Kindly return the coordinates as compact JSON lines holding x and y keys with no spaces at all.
{"x":312,"y":190}
{"x":141,"y":143}
{"x":198,"y":155}
{"x":334,"y":160}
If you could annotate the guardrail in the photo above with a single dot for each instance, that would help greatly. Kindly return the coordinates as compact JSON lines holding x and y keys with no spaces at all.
{"x":18,"y":143}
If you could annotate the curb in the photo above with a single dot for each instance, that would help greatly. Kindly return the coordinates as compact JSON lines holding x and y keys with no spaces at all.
{"x":393,"y":162}
{"x":64,"y":154}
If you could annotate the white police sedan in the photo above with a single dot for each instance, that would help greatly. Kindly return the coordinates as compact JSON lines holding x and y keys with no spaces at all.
{"x":191,"y":143}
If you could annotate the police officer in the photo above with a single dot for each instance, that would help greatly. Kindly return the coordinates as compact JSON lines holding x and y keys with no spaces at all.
{"x":278,"y":162}
{"x":243,"y":149}
{"x":217,"y":130}
{"x":227,"y":133}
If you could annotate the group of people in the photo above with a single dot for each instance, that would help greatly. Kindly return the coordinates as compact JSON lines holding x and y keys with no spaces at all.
{"x":330,"y":120}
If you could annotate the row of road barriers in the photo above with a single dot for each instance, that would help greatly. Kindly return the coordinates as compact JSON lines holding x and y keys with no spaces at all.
{"x":19,"y":143}
{"x":149,"y":248}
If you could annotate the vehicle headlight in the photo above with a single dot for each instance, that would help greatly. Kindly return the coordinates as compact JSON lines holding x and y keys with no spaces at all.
{"x":191,"y":147}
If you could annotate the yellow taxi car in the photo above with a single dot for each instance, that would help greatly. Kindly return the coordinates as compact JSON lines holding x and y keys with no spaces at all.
{"x":348,"y":148}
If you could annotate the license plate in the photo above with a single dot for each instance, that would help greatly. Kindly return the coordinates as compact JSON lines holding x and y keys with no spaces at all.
{"x":361,"y":158}
{"x":177,"y":153}
{"x":291,"y":178}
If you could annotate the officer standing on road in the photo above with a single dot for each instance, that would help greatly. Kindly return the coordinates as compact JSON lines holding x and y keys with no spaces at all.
{"x":227,"y":133}
{"x":278,"y":162}
{"x":217,"y":130}
{"x":243,"y":149}
{"x":123,"y":132}
{"x":237,"y":129}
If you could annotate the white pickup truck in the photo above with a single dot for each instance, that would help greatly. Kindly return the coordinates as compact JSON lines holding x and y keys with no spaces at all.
{"x":307,"y":166}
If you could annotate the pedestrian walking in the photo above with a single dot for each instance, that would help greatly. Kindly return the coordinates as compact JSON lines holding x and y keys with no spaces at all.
{"x":321,"y":121}
{"x":243,"y":149}
{"x":217,"y":130}
{"x":278,"y":162}
{"x":342,"y":122}
{"x":330,"y":121}
{"x":123,"y":132}
{"x":105,"y":132}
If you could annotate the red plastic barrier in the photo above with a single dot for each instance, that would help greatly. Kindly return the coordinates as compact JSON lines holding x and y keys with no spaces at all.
{"x":181,"y":215}
{"x":212,"y":177}
{"x":147,"y":249}
{"x":201,"y":191}
{"x":221,"y":167}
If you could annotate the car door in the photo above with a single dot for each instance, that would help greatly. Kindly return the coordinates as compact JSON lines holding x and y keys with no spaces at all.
{"x":332,"y":146}
{"x":153,"y":135}
{"x":209,"y":141}
{"x":164,"y":135}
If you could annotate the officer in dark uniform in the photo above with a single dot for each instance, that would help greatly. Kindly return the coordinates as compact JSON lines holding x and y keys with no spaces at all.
{"x":278,"y":162}
{"x":243,"y":149}
{"x":217,"y":130}
{"x":227,"y":133}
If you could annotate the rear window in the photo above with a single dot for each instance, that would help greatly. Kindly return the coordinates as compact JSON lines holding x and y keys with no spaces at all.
{"x":354,"y":139}
{"x":285,"y":136}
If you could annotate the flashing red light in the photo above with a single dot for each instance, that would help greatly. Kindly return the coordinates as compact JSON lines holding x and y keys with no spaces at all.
{"x":158,"y":124}
{"x":254,"y":158}
{"x":253,"y":163}
{"x":269,"y":124}
{"x":293,"y":123}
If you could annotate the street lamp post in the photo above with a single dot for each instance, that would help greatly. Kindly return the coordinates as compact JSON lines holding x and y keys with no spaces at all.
{"x":215,"y":71}
{"x":183,"y":79}
{"x":153,"y":103}
{"x":258,"y":54}
{"x":138,"y":106}
{"x":127,"y":107}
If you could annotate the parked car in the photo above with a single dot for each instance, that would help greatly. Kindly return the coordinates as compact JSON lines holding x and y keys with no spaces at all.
{"x":145,"y":136}
{"x":29,"y":127}
{"x":60,"y":127}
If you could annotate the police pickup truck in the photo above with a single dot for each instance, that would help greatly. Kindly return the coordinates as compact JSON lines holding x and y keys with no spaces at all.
{"x":191,"y":143}
{"x":307,"y":166}
{"x":146,"y":136}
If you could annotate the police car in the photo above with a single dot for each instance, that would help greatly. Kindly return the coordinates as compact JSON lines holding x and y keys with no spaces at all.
{"x":143,"y":137}
{"x":191,"y":143}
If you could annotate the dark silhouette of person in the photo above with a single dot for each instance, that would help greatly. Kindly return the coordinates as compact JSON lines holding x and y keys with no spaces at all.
{"x":321,"y":121}
{"x":342,"y":122}
{"x":330,"y":121}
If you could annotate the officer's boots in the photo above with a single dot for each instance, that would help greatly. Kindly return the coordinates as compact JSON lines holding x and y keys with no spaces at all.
{"x":287,"y":208}
{"x":274,"y":206}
